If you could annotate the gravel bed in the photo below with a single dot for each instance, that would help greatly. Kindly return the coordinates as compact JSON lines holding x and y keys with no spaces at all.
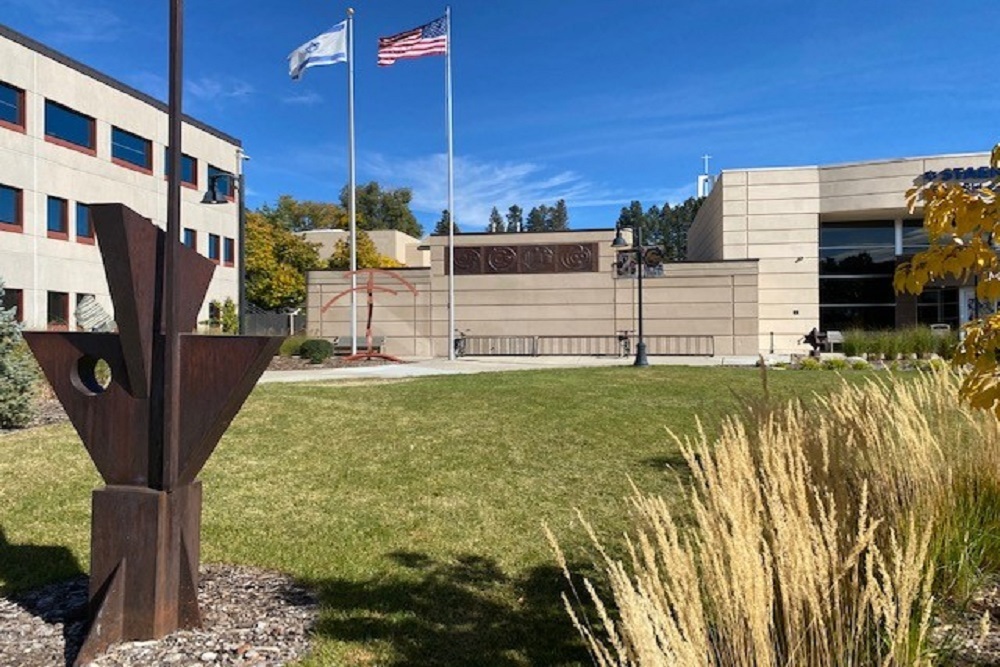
{"x":249,"y":617}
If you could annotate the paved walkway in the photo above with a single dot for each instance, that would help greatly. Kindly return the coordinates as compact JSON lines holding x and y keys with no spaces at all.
{"x":465,"y":365}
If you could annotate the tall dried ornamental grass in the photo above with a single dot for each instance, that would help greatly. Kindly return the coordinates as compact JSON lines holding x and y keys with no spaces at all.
{"x":815,"y":537}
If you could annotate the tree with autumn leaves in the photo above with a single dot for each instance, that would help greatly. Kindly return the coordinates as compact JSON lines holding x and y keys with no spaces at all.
{"x":276,"y":263}
{"x":963,"y":227}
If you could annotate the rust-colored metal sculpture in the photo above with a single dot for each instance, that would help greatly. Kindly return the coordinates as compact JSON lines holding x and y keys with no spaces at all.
{"x":146,"y":523}
{"x":370,"y":288}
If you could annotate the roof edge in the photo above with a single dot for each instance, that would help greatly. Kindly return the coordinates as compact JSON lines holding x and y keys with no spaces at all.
{"x":63,"y":59}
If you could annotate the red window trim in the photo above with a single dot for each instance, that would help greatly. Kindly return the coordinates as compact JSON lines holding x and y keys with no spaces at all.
{"x":16,"y":227}
{"x":134,"y":167}
{"x":59,"y":236}
{"x":85,"y":240}
{"x":11,"y":126}
{"x":69,"y":144}
{"x":13,"y":229}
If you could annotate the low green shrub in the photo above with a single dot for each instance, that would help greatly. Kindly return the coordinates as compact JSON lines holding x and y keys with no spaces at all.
{"x":316,"y":350}
{"x":835,"y":364}
{"x":860,"y":365}
{"x":292,"y":346}
{"x":810,"y":364}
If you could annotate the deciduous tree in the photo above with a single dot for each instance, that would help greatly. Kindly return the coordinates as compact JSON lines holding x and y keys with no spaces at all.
{"x":276,"y":262}
{"x":963,"y":228}
{"x":384,"y":209}
{"x":301,"y":216}
{"x":368,"y":255}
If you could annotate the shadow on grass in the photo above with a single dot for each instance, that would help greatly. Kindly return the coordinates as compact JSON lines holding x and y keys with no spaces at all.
{"x":461,"y":612}
{"x":24,"y":566}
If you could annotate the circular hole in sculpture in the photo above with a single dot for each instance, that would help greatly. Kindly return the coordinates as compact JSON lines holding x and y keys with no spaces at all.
{"x":92,"y":375}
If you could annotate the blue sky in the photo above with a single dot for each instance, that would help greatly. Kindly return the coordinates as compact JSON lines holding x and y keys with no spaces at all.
{"x":598,"y":103}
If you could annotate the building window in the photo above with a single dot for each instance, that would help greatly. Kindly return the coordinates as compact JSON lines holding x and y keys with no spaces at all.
{"x":84,"y":225}
{"x":191,"y":238}
{"x":58,"y":310}
{"x":13,"y":299}
{"x":131,"y":150}
{"x":857,"y":263}
{"x":58,"y":218}
{"x":70,"y":128}
{"x":11,"y":107}
{"x":228,"y":252}
{"x":10,"y":209}
{"x":213,"y":247}
{"x":223,"y":181}
{"x":189,"y":168}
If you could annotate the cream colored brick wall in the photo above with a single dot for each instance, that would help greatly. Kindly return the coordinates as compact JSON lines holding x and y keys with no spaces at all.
{"x":716,"y":299}
{"x":36,"y":264}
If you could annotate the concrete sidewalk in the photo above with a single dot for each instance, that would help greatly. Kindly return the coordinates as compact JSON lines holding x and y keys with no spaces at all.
{"x":467,"y":365}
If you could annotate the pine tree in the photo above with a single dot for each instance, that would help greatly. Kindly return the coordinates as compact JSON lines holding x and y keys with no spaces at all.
{"x":515,"y":219}
{"x":537,"y":219}
{"x":496,"y":225}
{"x":558,"y":217}
{"x":17,"y":375}
{"x":441,"y":228}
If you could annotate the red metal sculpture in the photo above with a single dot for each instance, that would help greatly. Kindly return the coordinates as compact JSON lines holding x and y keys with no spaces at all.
{"x":370,"y":288}
{"x":146,"y":523}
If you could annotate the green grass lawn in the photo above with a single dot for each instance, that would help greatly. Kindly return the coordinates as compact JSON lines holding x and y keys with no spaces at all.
{"x":413,"y":507}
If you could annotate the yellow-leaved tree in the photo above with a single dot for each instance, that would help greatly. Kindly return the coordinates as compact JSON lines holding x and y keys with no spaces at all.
{"x":963,"y":226}
{"x":368,"y":255}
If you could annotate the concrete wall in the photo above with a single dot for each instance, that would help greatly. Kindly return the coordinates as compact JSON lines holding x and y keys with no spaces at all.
{"x":403,"y":248}
{"x":774,"y":216}
{"x":36,"y":264}
{"x":717,"y":299}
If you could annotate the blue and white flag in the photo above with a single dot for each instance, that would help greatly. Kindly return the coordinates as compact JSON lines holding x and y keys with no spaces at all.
{"x":329,"y":48}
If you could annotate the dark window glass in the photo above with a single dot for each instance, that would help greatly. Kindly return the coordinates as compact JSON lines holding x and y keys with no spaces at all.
{"x":71,"y":126}
{"x":57,"y":215}
{"x":834,"y":261}
{"x":914,"y":237}
{"x":857,"y":234}
{"x":189,"y":168}
{"x":11,"y":104}
{"x":840,"y":318}
{"x":131,"y":148}
{"x":938,"y":305}
{"x":861,"y":291}
{"x":58,"y":309}
{"x":190,"y":238}
{"x":13,"y":299}
{"x":10,"y":205}
{"x":213,"y":246}
{"x":222,"y":180}
{"x":84,"y":227}
{"x":229,"y":251}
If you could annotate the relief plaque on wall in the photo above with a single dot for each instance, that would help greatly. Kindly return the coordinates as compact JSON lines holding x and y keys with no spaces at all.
{"x":524,"y":259}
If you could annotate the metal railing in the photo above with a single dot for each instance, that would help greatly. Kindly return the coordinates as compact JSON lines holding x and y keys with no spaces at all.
{"x":535,"y":346}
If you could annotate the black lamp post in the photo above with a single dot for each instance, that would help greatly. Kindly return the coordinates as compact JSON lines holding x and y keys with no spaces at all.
{"x":214,"y":195}
{"x":619,"y":242}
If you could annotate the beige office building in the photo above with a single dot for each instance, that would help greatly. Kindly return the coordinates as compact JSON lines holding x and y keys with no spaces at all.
{"x":772,"y":254}
{"x":71,"y":136}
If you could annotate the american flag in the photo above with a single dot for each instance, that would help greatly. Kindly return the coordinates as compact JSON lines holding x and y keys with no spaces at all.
{"x":427,"y":40}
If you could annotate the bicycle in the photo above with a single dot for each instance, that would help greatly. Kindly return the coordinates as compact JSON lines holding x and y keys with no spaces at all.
{"x":625,"y":343}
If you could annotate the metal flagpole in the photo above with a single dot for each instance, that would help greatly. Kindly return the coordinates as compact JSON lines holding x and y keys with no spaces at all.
{"x":451,"y":191}
{"x":352,"y":204}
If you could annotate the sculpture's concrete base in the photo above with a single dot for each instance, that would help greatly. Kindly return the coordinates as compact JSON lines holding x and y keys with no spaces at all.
{"x":143,"y":565}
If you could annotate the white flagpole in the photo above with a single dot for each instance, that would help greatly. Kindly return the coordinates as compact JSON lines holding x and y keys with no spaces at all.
{"x":351,"y":207}
{"x":451,"y":192}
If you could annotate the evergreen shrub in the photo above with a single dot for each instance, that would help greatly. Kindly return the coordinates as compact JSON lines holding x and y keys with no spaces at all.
{"x":316,"y":350}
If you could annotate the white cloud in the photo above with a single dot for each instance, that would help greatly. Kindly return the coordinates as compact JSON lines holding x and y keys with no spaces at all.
{"x":306,"y":99}
{"x":481,"y":185}
{"x":73,"y":21}
{"x":214,"y":89}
